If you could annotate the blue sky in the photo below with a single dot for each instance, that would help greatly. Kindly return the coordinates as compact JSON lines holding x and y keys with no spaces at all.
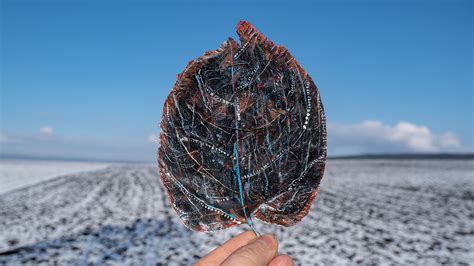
{"x":88,"y":79}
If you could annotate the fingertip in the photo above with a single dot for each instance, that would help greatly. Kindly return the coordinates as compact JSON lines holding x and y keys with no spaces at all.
{"x":238,"y":241}
{"x":258,"y":252}
{"x":282,"y":260}
{"x":270,"y":241}
{"x":219,"y":254}
{"x":249,"y":234}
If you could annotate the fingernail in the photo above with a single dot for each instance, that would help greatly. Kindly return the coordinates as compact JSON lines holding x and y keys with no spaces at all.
{"x":269,"y":240}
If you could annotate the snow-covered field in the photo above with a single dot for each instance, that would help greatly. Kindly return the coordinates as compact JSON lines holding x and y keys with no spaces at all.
{"x":15,"y":174}
{"x":404,"y":212}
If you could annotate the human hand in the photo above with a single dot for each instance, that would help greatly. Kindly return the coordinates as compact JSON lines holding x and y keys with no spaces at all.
{"x":247,"y":249}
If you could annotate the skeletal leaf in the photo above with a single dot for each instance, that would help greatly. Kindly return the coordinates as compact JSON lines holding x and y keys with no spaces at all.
{"x":243,"y":134}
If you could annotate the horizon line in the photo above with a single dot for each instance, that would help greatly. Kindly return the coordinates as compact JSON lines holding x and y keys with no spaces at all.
{"x":386,"y":155}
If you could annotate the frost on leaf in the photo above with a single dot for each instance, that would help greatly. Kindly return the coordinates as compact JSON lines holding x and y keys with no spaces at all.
{"x":243,"y":135}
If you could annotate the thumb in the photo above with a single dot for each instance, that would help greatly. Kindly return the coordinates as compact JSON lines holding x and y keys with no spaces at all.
{"x":257,"y":253}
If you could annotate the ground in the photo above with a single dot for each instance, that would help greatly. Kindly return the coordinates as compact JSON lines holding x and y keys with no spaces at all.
{"x":403,"y":212}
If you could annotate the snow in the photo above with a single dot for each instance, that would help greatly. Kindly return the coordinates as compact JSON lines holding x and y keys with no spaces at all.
{"x":15,"y":174}
{"x":403,"y":212}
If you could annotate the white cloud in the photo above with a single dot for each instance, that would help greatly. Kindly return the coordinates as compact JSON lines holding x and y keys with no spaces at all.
{"x":46,"y":131}
{"x":373,"y":136}
{"x":449,"y":140}
{"x":154,"y":138}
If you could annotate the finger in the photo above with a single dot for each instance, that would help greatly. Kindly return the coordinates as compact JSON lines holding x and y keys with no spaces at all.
{"x":281,"y":260}
{"x":218,"y":255}
{"x":257,"y":253}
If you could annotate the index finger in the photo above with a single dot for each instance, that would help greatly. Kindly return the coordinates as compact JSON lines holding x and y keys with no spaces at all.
{"x":219,"y":254}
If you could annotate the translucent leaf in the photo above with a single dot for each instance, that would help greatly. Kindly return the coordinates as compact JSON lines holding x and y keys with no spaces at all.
{"x":243,"y":135}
